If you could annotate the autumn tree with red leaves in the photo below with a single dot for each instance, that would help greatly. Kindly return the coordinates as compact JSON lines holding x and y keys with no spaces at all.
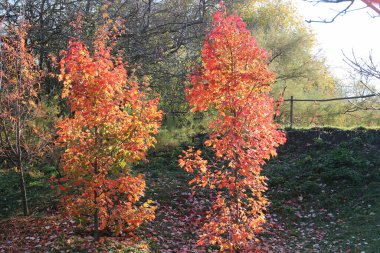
{"x":234,"y":80}
{"x":111,"y":127}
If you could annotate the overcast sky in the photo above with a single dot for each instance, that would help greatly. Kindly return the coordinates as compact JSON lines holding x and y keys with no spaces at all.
{"x":357,"y":31}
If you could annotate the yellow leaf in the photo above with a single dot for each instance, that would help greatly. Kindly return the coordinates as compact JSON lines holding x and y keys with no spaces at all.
{"x":31,"y":103}
{"x":203,"y":168}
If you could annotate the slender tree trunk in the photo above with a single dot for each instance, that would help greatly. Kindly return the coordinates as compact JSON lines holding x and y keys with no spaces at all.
{"x":19,"y":162}
{"x":236,"y":198}
{"x":18,"y":117}
{"x":96,"y":218}
{"x":19,"y":152}
{"x":96,"y":213}
{"x":23,"y":191}
{"x":88,"y":6}
{"x":41,"y":35}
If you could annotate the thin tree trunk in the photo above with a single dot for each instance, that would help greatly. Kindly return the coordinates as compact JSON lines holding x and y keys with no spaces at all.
{"x":18,"y":136}
{"x":96,"y":213}
{"x":96,"y":218}
{"x":19,"y":161}
{"x":88,"y":6}
{"x":23,"y":191}
{"x":41,"y":35}
{"x":236,"y":218}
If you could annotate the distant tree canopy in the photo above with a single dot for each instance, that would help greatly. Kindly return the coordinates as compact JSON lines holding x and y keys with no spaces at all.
{"x":163,"y":38}
{"x":280,"y":29}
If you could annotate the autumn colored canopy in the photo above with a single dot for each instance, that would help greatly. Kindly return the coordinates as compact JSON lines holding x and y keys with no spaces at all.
{"x":235,"y":80}
{"x":110,"y":128}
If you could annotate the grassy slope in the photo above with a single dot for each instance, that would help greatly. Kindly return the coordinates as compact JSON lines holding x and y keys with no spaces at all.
{"x":324,"y":189}
{"x":330,"y":179}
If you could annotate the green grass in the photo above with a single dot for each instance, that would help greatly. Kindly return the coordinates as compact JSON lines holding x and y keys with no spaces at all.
{"x":338,"y":171}
{"x":41,"y":196}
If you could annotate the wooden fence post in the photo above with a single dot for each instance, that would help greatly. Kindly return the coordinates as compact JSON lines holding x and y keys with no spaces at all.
{"x":291,"y":112}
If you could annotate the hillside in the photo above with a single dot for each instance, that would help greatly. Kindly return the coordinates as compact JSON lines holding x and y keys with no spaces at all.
{"x":324,"y":192}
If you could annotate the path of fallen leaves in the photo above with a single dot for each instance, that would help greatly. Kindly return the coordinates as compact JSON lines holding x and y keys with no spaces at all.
{"x":54,"y":233}
{"x":32,"y":234}
{"x":174,"y":229}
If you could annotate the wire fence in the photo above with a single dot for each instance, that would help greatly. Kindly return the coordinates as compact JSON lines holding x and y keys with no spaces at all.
{"x":292,"y":100}
{"x":173,"y":114}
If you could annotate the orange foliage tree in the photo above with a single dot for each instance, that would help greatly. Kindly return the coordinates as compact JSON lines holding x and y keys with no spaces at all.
{"x":23,"y":137}
{"x":110,"y":129}
{"x":234,"y":80}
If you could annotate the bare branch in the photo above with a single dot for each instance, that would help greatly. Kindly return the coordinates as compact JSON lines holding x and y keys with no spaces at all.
{"x":372,"y":4}
{"x":367,"y":68}
{"x":339,"y":13}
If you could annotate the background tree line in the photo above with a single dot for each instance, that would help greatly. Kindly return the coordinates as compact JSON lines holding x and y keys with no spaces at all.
{"x":163,"y":38}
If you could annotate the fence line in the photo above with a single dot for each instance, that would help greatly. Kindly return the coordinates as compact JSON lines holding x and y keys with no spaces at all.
{"x":292,"y":100}
{"x":331,"y":99}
